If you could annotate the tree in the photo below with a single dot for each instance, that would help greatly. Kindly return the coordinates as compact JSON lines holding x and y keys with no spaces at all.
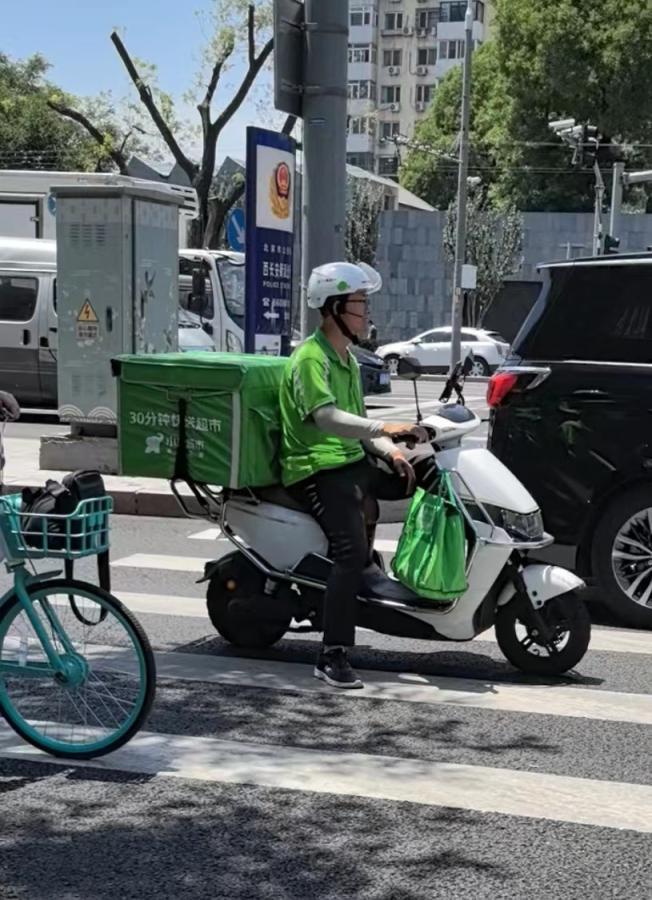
{"x":31,"y":135}
{"x":237,"y":27}
{"x":364,"y":204}
{"x":430,"y":168}
{"x":551,"y":59}
{"x":493,"y":245}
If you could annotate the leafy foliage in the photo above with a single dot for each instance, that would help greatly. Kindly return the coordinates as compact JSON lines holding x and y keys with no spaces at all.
{"x":493,"y":245}
{"x":550,"y":59}
{"x":365,"y":201}
{"x":32,"y":136}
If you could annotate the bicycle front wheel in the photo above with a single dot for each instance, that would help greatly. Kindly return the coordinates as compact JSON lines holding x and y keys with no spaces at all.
{"x":108,"y":688}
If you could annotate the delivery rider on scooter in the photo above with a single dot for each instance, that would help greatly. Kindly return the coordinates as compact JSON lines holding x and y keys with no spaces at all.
{"x":329,"y":451}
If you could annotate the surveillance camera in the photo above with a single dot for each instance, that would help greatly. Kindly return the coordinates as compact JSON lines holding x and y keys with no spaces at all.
{"x":562,"y":124}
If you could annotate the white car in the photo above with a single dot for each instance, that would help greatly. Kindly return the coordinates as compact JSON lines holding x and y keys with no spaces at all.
{"x":433,"y":350}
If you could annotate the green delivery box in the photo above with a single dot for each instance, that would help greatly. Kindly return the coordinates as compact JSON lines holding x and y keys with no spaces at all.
{"x":231,"y":414}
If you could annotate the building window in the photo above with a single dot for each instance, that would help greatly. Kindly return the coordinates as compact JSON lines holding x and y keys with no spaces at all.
{"x":361,"y":160}
{"x":451,"y":49}
{"x":362,"y":125}
{"x":389,"y":130}
{"x":362,"y":90}
{"x":365,"y":15}
{"x":388,"y":165}
{"x":427,"y":19}
{"x":453,"y":12}
{"x":362,"y":53}
{"x":393,"y":21}
{"x":425,"y":93}
{"x":391,"y":94}
{"x":427,"y":56}
{"x":392,"y":57}
{"x":456,"y":11}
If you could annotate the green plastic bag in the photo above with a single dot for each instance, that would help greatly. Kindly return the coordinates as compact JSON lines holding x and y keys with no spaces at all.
{"x":431,"y":554}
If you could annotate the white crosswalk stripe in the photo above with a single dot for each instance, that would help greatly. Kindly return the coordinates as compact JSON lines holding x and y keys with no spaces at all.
{"x":529,"y":794}
{"x":610,"y":640}
{"x":168,"y":562}
{"x":607,"y":804}
{"x":558,"y":700}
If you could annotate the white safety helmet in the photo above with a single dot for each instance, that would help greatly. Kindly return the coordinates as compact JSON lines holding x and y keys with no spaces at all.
{"x":341,"y":278}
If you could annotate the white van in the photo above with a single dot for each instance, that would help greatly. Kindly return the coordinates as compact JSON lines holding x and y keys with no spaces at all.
{"x":28,"y":318}
{"x":28,"y":207}
{"x":212,"y":292}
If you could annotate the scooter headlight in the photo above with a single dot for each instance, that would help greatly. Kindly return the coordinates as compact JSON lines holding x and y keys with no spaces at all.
{"x":521,"y":526}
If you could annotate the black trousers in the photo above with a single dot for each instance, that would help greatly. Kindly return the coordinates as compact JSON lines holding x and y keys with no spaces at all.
{"x":345,"y":503}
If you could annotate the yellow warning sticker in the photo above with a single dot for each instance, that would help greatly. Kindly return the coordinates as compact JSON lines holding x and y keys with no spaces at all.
{"x":87,"y":313}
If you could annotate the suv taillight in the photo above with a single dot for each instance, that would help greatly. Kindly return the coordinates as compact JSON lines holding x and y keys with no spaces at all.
{"x":499,"y":387}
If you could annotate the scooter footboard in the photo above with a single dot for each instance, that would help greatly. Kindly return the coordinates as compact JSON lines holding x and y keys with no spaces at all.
{"x":543,"y":582}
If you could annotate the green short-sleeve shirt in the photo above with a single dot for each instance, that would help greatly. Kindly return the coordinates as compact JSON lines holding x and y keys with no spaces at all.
{"x":317,"y":376}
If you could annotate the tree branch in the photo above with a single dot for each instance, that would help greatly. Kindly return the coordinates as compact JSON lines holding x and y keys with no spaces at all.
{"x":251,"y":33}
{"x":75,"y":115}
{"x":218,"y":208}
{"x":205,"y":106}
{"x":229,"y":111}
{"x":147,"y":99}
{"x":288,"y":126}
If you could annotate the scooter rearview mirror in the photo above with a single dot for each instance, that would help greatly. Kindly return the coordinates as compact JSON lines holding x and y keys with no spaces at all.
{"x":409,"y":368}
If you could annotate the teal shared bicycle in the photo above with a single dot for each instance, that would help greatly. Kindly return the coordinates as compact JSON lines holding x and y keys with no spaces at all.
{"x":77,"y":672}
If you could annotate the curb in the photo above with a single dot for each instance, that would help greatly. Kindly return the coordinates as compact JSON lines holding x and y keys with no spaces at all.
{"x":135,"y":503}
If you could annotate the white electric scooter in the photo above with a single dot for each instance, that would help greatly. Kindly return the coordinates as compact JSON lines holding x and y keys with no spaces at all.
{"x":277,"y":574}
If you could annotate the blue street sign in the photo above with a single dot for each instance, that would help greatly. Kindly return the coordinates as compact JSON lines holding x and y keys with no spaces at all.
{"x":270,"y":241}
{"x":235,"y":230}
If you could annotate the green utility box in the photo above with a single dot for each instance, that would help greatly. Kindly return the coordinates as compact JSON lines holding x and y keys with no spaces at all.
{"x":231,"y":413}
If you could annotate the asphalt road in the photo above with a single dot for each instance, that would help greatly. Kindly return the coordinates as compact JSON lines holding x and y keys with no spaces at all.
{"x":451,"y":776}
{"x":254,"y":782}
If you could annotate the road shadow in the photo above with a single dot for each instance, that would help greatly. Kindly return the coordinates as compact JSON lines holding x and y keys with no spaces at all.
{"x":96,"y":835}
{"x":444,"y":659}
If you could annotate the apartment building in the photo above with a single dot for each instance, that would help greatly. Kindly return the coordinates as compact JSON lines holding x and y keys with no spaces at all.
{"x":398,"y":52}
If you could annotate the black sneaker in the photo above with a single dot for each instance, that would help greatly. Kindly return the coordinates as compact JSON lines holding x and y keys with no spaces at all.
{"x":334,"y":668}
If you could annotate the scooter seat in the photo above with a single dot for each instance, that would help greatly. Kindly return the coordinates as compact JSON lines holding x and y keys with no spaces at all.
{"x":277,"y":494}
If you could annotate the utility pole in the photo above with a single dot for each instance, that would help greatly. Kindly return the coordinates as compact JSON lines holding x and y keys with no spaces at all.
{"x":462,"y":189}
{"x":324,"y":138}
{"x":616,"y":198}
{"x":311,"y":41}
{"x":597,"y":217}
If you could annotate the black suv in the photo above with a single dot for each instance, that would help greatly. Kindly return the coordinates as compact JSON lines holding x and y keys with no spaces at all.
{"x":571,"y":416}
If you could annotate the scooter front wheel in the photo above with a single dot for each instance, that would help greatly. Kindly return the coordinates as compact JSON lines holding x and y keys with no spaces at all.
{"x":522,"y":644}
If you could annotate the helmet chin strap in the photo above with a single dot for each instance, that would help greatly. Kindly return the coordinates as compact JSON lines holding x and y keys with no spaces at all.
{"x":341,"y":324}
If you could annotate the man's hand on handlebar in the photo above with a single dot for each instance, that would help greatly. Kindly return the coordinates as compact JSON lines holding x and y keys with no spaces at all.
{"x":405,"y":432}
{"x":9,"y":408}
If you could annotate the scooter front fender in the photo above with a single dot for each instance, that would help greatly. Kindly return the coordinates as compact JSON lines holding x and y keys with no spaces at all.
{"x":543,"y":583}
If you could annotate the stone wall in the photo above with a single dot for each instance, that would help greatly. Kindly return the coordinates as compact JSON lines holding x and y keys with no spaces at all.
{"x":417,"y":276}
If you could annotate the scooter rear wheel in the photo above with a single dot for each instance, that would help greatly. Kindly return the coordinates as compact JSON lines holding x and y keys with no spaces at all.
{"x":518,"y":639}
{"x":238,"y":607}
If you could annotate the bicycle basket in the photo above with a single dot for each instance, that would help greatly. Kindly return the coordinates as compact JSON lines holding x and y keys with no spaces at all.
{"x":84,"y":532}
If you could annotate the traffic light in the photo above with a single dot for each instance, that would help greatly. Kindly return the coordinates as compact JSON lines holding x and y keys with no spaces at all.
{"x":590,"y":145}
{"x":611,"y":245}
